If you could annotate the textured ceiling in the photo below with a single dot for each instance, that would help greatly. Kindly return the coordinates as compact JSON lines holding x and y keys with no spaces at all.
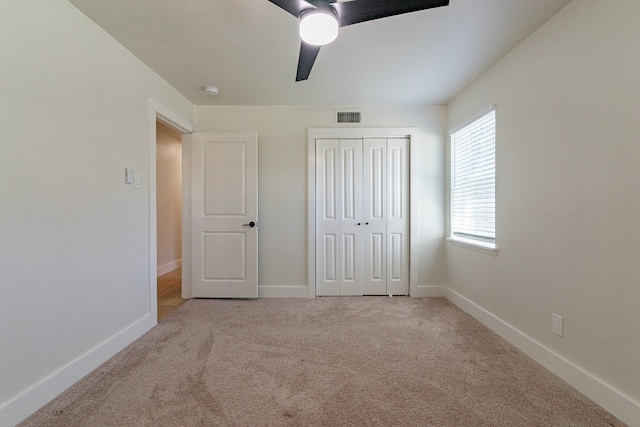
{"x":249,"y":49}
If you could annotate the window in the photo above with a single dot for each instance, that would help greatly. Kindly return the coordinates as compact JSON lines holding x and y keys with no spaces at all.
{"x":473,"y":181}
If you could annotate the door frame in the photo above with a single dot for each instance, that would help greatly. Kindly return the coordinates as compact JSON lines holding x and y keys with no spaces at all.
{"x":158,"y":112}
{"x":414,"y":187}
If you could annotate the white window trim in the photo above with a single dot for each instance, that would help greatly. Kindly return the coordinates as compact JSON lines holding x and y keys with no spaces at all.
{"x":476,"y":245}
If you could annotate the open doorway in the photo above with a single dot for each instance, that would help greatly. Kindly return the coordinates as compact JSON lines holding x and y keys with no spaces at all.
{"x":168,"y":219}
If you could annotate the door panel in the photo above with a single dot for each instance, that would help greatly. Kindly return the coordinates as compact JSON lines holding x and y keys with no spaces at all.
{"x":224,"y":189}
{"x":348,"y":258}
{"x":398,"y":219}
{"x":375,"y":216}
{"x":330,"y":173}
{"x":328,"y":204}
{"x":351,"y":220}
{"x":330,"y":259}
{"x":395,"y":258}
{"x":348,"y":183}
{"x":224,"y":256}
{"x":376,"y":255}
{"x":374,"y":172}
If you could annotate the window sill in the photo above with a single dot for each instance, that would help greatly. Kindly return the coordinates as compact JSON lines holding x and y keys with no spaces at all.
{"x":473,"y":245}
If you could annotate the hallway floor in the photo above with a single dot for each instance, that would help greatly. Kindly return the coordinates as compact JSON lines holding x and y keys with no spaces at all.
{"x":169,"y":292}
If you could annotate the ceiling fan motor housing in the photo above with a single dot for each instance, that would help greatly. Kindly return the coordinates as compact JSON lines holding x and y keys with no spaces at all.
{"x":319,"y":27}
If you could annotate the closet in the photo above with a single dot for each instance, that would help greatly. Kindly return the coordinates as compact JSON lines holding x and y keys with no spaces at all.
{"x":362,"y":216}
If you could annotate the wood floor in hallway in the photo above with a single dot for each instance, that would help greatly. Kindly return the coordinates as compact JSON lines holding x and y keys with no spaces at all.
{"x":169,"y":292}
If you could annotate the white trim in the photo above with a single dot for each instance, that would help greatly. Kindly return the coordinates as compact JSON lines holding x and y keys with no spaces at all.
{"x":41,"y":393}
{"x":172,"y":123}
{"x":414,"y":199}
{"x":169,"y":118}
{"x":430,"y":291}
{"x":311,"y":214}
{"x":415,"y":217}
{"x":611,"y":399}
{"x":282,"y":292}
{"x":186,"y":216}
{"x":169,"y":267}
{"x":473,"y":118}
{"x":473,"y":245}
{"x":157,"y":112}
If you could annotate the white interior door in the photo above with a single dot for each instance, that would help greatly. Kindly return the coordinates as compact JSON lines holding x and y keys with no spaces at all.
{"x":386,"y":216}
{"x":339,"y":217}
{"x":224,"y":215}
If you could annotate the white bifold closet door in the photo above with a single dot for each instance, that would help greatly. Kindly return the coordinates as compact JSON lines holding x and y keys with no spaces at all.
{"x":362,"y":223}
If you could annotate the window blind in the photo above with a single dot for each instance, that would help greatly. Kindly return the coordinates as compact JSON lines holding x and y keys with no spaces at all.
{"x":473,"y":182}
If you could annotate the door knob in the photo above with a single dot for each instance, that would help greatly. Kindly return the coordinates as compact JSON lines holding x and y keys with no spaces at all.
{"x":251,"y":224}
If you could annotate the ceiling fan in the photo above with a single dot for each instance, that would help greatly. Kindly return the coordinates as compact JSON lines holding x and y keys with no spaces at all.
{"x":319,"y":20}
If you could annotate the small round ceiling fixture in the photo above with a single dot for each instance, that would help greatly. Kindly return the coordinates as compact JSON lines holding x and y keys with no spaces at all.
{"x":211,"y":90}
{"x":318,"y":27}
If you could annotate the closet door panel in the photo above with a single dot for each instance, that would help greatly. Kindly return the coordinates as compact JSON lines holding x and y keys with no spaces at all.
{"x":374,"y":161}
{"x":398,"y":216}
{"x":328,"y":213}
{"x":351,"y":217}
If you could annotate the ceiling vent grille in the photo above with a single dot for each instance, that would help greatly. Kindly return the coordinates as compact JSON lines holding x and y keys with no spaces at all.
{"x":348,"y":117}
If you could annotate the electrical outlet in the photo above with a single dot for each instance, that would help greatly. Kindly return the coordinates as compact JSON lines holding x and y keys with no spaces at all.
{"x":556,"y":324}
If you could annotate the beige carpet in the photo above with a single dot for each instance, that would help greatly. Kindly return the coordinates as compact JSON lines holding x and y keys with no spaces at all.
{"x":363,"y":361}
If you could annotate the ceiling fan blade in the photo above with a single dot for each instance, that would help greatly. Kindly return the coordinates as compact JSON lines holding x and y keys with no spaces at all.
{"x":294,"y":7}
{"x":353,"y":12}
{"x":308,"y":55}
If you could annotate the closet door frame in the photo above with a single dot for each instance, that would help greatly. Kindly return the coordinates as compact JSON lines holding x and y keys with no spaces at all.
{"x":414,"y":182}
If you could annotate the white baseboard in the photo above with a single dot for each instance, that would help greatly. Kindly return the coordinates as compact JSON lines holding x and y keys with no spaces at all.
{"x":611,"y":399}
{"x":168,"y":267}
{"x":39,"y":394}
{"x":303,"y":292}
{"x":283,"y":292}
{"x":432,"y":291}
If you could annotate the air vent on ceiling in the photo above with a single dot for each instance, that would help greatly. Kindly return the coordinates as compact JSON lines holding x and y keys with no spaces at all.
{"x":348,"y":117}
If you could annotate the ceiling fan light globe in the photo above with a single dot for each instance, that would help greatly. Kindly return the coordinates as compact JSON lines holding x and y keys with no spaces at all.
{"x":318,"y":28}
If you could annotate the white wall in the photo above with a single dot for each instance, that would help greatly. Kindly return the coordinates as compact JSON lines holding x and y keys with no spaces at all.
{"x":283,"y":180}
{"x":74,"y":239}
{"x":169,"y":198}
{"x":568,"y":222}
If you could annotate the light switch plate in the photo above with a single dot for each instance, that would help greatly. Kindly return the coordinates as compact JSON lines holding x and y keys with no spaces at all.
{"x":128,"y":175}
{"x":137,"y":181}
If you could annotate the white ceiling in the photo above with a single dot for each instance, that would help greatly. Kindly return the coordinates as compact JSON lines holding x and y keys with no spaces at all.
{"x":249,"y":49}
